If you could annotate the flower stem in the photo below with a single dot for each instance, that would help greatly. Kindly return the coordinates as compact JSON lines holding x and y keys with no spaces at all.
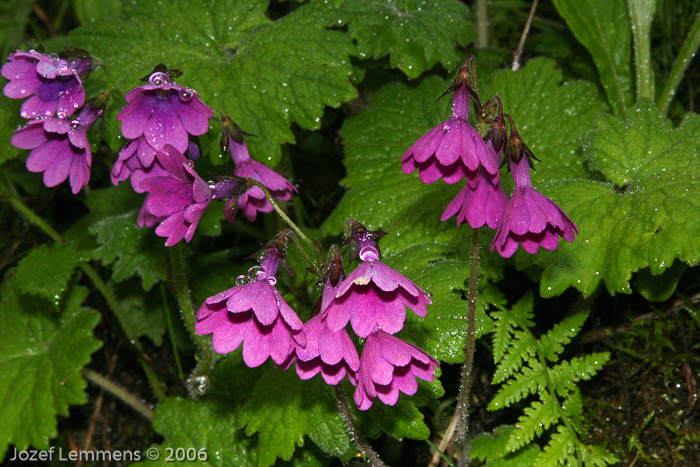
{"x":118,"y":392}
{"x":641,"y":14}
{"x":94,"y":277}
{"x":171,"y":331}
{"x":482,"y":24}
{"x":299,"y":233}
{"x":198,"y":381}
{"x":685,"y":55}
{"x":462,"y":411}
{"x":358,"y":440}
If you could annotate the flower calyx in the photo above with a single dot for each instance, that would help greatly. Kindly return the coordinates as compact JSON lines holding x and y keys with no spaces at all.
{"x":157,"y":73}
{"x":496,"y":133}
{"x":230,"y":131}
{"x":517,"y":149}
{"x":465,"y":77}
{"x":362,"y":241}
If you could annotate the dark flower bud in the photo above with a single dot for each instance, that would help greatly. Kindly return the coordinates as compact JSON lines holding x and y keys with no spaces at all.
{"x":464,"y":78}
{"x":161,"y":68}
{"x":363,"y":242}
{"x":517,"y":149}
{"x":230,"y":131}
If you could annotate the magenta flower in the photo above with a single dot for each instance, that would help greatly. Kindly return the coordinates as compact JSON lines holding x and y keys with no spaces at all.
{"x":60,"y":148}
{"x":161,"y":113}
{"x":177,"y":200}
{"x":453,"y":150}
{"x":52,"y":85}
{"x":137,"y":159}
{"x":255,"y":315}
{"x":530,"y":219}
{"x":254,"y":200}
{"x":389,"y":366}
{"x":332,"y":353}
{"x":482,"y":203}
{"x":374,"y":295}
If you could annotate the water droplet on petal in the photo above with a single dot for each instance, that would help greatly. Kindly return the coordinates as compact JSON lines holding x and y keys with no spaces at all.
{"x":74,"y":125}
{"x":159,"y":78}
{"x":186,"y":94}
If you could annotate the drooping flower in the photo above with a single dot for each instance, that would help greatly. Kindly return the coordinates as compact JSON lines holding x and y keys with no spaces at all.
{"x":60,"y":148}
{"x":480,"y":204}
{"x":331,"y":353}
{"x":176,"y":200}
{"x":529,"y":219}
{"x":253,"y":200}
{"x":157,"y":114}
{"x":255,"y":315}
{"x":52,"y":85}
{"x":389,"y":366}
{"x":374,"y":295}
{"x":453,"y":150}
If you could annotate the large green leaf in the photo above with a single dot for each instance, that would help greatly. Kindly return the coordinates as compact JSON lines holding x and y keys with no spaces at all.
{"x":41,"y":355}
{"x":265,"y":74}
{"x":604,"y":29}
{"x":416,"y":34}
{"x":644,"y":216}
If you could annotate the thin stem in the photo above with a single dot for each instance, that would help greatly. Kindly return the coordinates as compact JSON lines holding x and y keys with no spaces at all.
{"x":358,"y":440}
{"x":685,"y":55}
{"x":482,"y":24}
{"x":22,"y":208}
{"x":171,"y":331}
{"x":526,"y":30}
{"x":198,"y":381}
{"x":439,"y":453}
{"x":465,"y":386}
{"x":641,"y":14}
{"x":119,"y":392}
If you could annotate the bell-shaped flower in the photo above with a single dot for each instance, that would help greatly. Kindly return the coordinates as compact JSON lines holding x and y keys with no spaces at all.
{"x":253,"y":200}
{"x":52,"y":85}
{"x":176,"y":200}
{"x":253,"y":314}
{"x":482,"y":203}
{"x":331,"y":353}
{"x":60,"y":148}
{"x":157,"y":114}
{"x":453,"y":150}
{"x":529,"y":219}
{"x":389,"y":366}
{"x":374,"y":295}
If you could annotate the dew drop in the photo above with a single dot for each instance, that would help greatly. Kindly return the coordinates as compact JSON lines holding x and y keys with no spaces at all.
{"x":186,"y":94}
{"x":74,"y":125}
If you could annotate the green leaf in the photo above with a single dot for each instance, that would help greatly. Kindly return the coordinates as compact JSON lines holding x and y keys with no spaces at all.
{"x":41,"y":356}
{"x":14,"y":16}
{"x":416,"y":34}
{"x":284,"y":416}
{"x":265,"y":74}
{"x":491,"y":447}
{"x":47,"y":269}
{"x":442,"y":333}
{"x":402,"y":420}
{"x":553,"y":342}
{"x":604,"y":29}
{"x":88,"y":11}
{"x":659,"y":288}
{"x":131,"y":250}
{"x":635,"y":220}
{"x":529,"y":380}
{"x":536,"y":418}
{"x":566,"y":374}
{"x":143,"y":312}
{"x":208,"y":424}
{"x":559,"y":450}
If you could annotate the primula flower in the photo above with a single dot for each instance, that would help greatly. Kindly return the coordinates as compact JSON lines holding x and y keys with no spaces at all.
{"x":161,"y":113}
{"x":176,"y":200}
{"x":389,"y":366}
{"x":332,"y":353}
{"x":52,"y":85}
{"x":137,"y":159}
{"x":453,"y":149}
{"x":374,"y":295}
{"x":482,"y":204}
{"x":255,"y":315}
{"x":529,"y":219}
{"x":253,"y":200}
{"x":60,"y":148}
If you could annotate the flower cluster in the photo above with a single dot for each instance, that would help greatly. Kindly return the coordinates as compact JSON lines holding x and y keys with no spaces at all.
{"x":54,"y":92}
{"x":373,"y":299}
{"x":454,"y":151}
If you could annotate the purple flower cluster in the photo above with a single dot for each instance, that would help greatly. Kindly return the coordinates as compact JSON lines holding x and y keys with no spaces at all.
{"x":54,"y":92}
{"x":372,"y":299}
{"x":454,"y":151}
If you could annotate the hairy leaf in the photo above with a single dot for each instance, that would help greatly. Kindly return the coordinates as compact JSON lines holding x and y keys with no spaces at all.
{"x":633,"y":220}
{"x":256,"y":70}
{"x":41,"y":356}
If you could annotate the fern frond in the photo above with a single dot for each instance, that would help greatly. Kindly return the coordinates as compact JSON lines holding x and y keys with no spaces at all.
{"x":597,"y":456}
{"x":566,"y":374}
{"x":521,"y":346}
{"x":555,"y":339}
{"x":504,"y":324}
{"x":528,"y":381}
{"x":561,"y":450}
{"x":491,"y":448}
{"x":540,"y":416}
